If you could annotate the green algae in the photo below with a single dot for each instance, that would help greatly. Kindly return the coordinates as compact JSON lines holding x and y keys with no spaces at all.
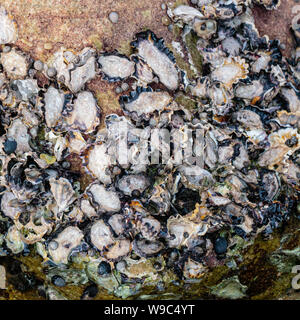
{"x":186,"y":102}
{"x":191,"y":43}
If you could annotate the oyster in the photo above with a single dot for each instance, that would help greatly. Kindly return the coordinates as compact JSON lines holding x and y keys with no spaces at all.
{"x":115,"y":66}
{"x":15,"y":64}
{"x":65,"y":242}
{"x":8,"y":28}
{"x":98,"y":162}
{"x":230,"y":71}
{"x":101,"y":235}
{"x":201,"y":159}
{"x":146,"y":248}
{"x":10,"y":206}
{"x":85,"y":113}
{"x":54,"y":103}
{"x":18,"y":131}
{"x":107,"y":201}
{"x":129,"y":183}
{"x":146,"y":102}
{"x":63,"y":193}
{"x":74,"y":76}
{"x":158,"y":57}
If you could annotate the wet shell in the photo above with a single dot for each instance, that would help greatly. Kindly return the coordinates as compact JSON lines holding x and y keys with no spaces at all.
{"x":184,"y":13}
{"x":117,"y":223}
{"x":159,"y":58}
{"x":149,"y":227}
{"x":231,"y":71}
{"x":15,"y":64}
{"x":85,"y":113}
{"x":181,"y":230}
{"x":129,"y":183}
{"x":101,"y":235}
{"x":19,"y":132}
{"x":143,"y":72}
{"x":54,"y":103}
{"x":63,"y":193}
{"x":146,"y":102}
{"x":8,"y":28}
{"x":147,"y":249}
{"x":14,"y":241}
{"x":98,"y":161}
{"x":108,"y":201}
{"x":193,"y":269}
{"x":66,"y":241}
{"x":118,"y":251}
{"x":116,"y":67}
{"x":9,"y":205}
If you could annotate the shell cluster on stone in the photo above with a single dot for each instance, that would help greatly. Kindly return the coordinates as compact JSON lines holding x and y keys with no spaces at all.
{"x":136,"y":222}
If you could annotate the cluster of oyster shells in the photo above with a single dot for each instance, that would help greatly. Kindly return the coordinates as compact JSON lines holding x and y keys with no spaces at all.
{"x":247,"y":110}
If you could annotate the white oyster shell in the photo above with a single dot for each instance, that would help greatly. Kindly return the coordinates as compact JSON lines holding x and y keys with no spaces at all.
{"x":15,"y":64}
{"x":185,"y":13}
{"x":232,"y":70}
{"x":54,"y":102}
{"x":81,"y":75}
{"x":75,"y":76}
{"x":67,"y":240}
{"x":148,"y":102}
{"x":108,"y":201}
{"x":119,"y":250}
{"x":19,"y":132}
{"x":76,"y":142}
{"x":28,"y":88}
{"x":115,"y":66}
{"x":99,"y":161}
{"x":14,"y":241}
{"x":249,"y":91}
{"x":101,"y":235}
{"x":63,"y":193}
{"x":9,"y":205}
{"x":8,"y":28}
{"x":87,"y":208}
{"x":149,"y":227}
{"x":84,"y":115}
{"x":117,"y":223}
{"x":160,"y":63}
{"x":129,"y":183}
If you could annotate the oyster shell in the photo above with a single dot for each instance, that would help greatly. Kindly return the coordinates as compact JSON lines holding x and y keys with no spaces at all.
{"x":85,"y":113}
{"x":230,"y":71}
{"x":8,"y":28}
{"x":146,"y":102}
{"x":101,"y":235}
{"x":98,"y":161}
{"x":15,"y":64}
{"x":129,"y":183}
{"x":159,"y":58}
{"x":63,"y":193}
{"x":66,"y":241}
{"x":10,"y":206}
{"x":146,"y":248}
{"x":115,"y":66}
{"x":75,"y":76}
{"x":107,"y":201}
{"x":54,"y":103}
